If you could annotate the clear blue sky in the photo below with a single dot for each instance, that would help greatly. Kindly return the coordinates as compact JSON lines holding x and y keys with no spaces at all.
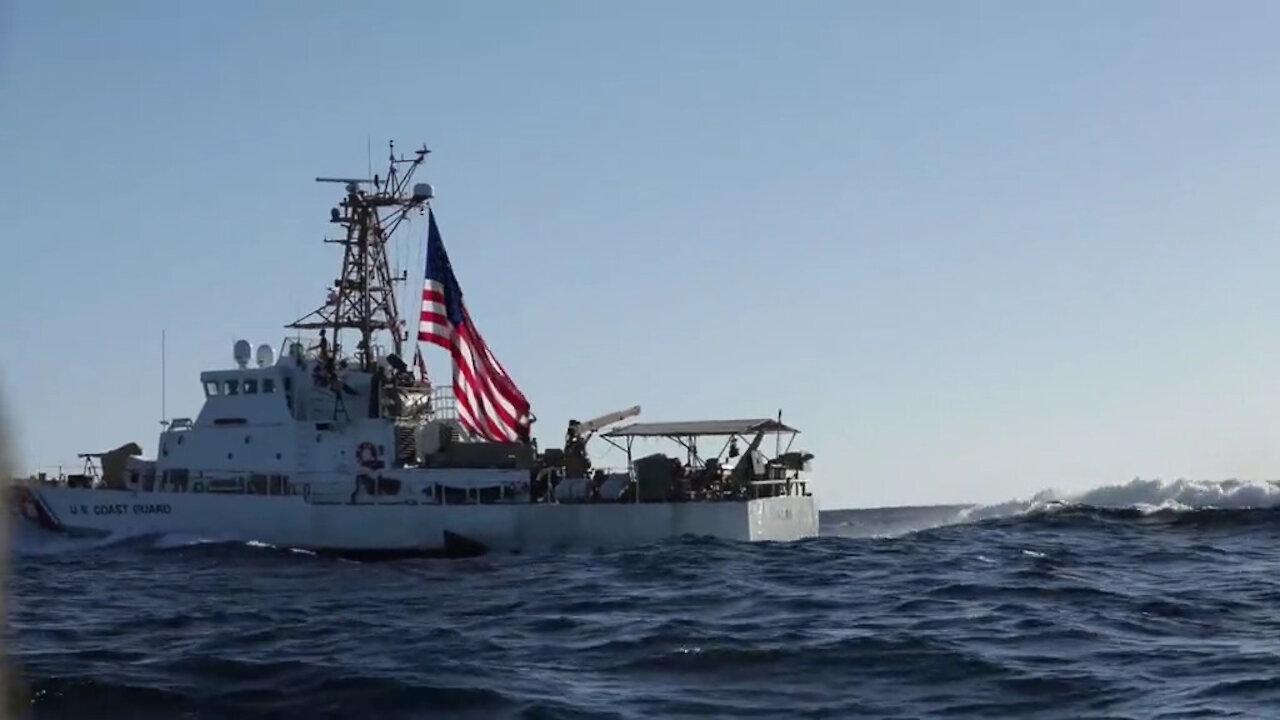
{"x":972,"y":249}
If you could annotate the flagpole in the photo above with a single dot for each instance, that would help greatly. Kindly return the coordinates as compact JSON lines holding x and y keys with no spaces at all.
{"x":163,"y":378}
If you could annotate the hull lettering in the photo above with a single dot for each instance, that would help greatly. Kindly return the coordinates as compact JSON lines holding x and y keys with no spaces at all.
{"x":122,"y":509}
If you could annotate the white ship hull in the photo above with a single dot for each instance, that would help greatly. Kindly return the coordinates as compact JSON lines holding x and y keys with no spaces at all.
{"x":371,"y":528}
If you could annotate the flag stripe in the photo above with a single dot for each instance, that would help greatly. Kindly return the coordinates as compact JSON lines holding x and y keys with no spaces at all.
{"x":480,"y":384}
{"x":484,"y":420}
{"x":489,"y":403}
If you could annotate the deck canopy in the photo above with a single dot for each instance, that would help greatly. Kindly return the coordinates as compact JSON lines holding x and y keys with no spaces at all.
{"x":700,"y":428}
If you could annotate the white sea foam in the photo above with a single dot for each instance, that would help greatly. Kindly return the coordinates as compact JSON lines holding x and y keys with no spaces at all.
{"x":27,"y":540}
{"x":1143,"y":495}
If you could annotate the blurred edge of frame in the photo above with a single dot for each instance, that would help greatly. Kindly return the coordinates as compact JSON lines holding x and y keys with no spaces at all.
{"x":12,"y":696}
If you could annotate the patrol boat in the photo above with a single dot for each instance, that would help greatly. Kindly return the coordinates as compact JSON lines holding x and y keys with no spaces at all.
{"x":346,"y":449}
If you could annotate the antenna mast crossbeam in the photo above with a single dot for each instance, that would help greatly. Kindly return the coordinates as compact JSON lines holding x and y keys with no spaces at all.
{"x":362,"y":297}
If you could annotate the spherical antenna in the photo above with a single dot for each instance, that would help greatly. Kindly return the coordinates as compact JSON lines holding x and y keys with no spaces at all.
{"x":242,"y":351}
{"x":266,"y":355}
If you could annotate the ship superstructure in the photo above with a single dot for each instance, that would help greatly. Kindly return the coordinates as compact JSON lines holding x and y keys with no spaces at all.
{"x":337,"y":443}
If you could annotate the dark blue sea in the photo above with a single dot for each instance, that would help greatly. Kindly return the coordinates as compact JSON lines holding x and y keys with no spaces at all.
{"x":1144,"y":600}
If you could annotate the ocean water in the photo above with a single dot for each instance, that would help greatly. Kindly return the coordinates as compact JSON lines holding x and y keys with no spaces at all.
{"x":1144,"y":600}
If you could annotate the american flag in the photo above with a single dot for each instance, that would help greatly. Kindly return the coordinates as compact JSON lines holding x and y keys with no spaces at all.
{"x":489,"y":403}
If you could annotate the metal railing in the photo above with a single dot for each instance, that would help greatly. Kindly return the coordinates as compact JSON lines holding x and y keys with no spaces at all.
{"x":444,"y":405}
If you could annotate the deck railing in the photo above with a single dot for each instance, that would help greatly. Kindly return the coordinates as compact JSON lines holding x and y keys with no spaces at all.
{"x":443,"y":403}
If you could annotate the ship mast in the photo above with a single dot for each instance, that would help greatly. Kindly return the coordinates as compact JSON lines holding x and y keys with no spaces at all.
{"x":363,"y":297}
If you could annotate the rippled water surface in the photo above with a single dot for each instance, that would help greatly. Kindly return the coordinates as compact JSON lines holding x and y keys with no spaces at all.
{"x":1028,"y":611}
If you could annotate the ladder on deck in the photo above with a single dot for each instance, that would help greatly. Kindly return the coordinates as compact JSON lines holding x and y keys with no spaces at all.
{"x":406,"y":445}
{"x":339,"y":405}
{"x":327,"y":404}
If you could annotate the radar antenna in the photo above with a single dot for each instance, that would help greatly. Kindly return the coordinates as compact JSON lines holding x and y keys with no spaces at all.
{"x":363,"y":297}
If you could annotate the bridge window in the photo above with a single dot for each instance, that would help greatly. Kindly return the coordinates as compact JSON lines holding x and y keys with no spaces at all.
{"x":250,"y":387}
{"x":232,"y":386}
{"x":211,"y":388}
{"x":268,"y":385}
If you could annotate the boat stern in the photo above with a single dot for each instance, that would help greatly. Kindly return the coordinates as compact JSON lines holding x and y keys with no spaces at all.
{"x":783,"y":518}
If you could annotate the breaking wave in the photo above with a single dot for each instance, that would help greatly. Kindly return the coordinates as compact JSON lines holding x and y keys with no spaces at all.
{"x":1188,"y":500}
{"x":1141,"y":496}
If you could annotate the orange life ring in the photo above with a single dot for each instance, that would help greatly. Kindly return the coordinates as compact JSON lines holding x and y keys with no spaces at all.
{"x":367,"y":454}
